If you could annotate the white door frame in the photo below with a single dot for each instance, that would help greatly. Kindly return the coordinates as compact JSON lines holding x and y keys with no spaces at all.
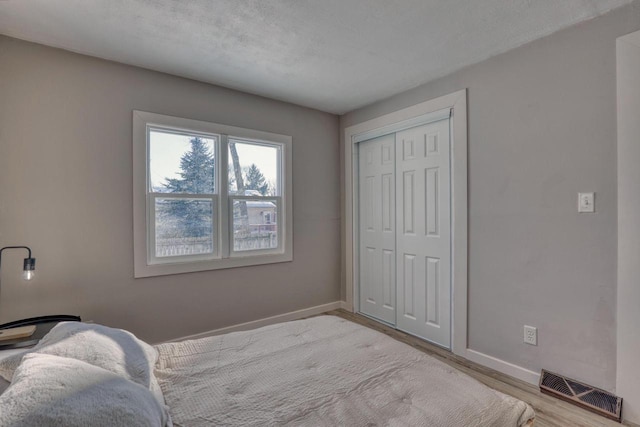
{"x":392,"y":122}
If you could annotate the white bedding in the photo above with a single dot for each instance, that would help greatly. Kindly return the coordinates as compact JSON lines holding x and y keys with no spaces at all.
{"x":3,"y":355}
{"x":55,"y":391}
{"x":323,"y":371}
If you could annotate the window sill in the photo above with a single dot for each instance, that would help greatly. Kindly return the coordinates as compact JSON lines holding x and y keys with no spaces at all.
{"x":151,"y":270}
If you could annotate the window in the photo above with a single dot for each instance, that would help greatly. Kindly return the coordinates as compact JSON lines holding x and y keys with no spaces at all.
{"x":208,"y":196}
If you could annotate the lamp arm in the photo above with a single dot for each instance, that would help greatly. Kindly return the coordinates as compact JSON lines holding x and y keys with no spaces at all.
{"x":15,"y":247}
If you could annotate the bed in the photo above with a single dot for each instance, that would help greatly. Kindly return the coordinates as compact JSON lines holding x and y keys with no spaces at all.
{"x":322,"y":371}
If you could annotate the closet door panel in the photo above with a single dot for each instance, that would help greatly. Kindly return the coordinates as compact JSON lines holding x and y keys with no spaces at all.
{"x":423,"y":241}
{"x":377,"y":229}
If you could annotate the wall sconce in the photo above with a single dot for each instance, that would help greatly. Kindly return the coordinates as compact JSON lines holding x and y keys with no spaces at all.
{"x":29,"y":266}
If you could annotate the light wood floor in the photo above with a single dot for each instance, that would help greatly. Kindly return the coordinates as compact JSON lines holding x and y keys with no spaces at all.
{"x":549,"y":411}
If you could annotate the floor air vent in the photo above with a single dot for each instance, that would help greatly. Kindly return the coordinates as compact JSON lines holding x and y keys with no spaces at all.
{"x":591,"y":398}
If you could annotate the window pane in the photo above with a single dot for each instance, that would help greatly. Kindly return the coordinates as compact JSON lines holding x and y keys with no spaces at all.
{"x":253,"y":169}
{"x":180,"y":163}
{"x":184,"y":227}
{"x":255,"y":225}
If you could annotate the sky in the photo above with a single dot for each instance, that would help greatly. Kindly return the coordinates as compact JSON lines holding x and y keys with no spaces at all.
{"x":166,"y":149}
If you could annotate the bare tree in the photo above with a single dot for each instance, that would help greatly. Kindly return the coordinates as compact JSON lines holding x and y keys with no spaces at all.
{"x":239,"y":182}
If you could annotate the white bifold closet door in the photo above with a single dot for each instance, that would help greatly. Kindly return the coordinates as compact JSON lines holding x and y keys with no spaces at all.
{"x":405,"y":235}
{"x":378,"y":228}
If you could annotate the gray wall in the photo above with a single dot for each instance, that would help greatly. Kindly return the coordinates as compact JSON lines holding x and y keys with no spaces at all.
{"x":628,"y":383}
{"x":542,"y":127}
{"x":66,"y":190}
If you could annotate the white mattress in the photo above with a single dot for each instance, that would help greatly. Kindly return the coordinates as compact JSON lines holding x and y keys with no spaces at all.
{"x":323,"y":371}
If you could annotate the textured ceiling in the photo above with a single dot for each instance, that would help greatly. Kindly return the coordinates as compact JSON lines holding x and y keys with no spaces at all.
{"x":333,"y":55}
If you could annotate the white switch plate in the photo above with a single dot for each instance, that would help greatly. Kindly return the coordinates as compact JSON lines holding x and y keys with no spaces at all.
{"x":586,"y":202}
{"x":530,"y":335}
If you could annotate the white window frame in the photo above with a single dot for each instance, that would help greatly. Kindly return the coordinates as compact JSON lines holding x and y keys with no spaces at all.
{"x":145,"y":263}
{"x":151,"y":197}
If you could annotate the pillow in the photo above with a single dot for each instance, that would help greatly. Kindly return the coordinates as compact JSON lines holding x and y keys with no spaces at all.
{"x":58,"y":391}
{"x":112,"y":349}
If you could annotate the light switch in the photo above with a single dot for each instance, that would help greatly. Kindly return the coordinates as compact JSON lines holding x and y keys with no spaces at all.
{"x":586,"y":202}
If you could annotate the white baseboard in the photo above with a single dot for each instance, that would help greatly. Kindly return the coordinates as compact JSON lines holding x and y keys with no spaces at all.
{"x":345,"y":306}
{"x":293,"y":315}
{"x":504,"y":367}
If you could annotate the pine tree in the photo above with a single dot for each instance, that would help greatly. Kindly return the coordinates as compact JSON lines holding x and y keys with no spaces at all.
{"x":197,"y":172}
{"x":255,"y":180}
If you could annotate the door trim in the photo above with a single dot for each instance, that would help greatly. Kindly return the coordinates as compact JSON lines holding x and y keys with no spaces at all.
{"x":423,"y":119}
{"x":457,"y":103}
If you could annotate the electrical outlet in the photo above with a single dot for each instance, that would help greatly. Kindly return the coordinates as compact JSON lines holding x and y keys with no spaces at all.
{"x":530,"y":335}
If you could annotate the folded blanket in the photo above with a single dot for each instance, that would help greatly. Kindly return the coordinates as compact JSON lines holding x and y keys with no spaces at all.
{"x":58,"y":391}
{"x":115,"y":350}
